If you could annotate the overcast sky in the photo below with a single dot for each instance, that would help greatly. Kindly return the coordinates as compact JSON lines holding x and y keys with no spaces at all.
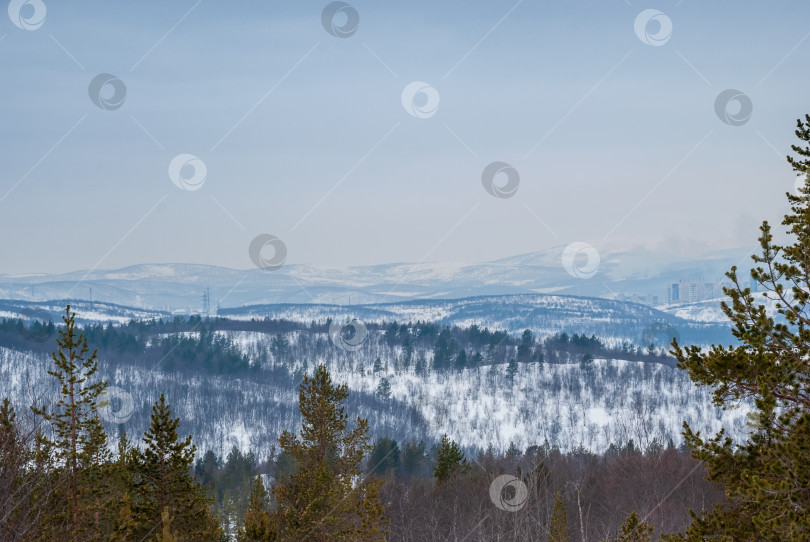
{"x":610,"y":124}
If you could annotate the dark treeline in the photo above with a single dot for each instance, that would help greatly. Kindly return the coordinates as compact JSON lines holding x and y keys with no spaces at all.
{"x":597,"y":491}
{"x":194,"y":343}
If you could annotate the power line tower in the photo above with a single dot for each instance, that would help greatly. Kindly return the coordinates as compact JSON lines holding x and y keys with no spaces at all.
{"x":207,"y":301}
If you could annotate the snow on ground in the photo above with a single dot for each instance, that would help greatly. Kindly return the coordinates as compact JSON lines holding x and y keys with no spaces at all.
{"x":612,"y":401}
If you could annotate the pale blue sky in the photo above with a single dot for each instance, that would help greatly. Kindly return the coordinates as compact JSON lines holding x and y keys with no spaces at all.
{"x":304,"y":135}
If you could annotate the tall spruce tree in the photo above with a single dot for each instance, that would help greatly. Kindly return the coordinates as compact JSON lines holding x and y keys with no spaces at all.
{"x":558,"y":524}
{"x":635,"y":530}
{"x":76,"y":443}
{"x":165,"y":483}
{"x":766,"y":478}
{"x":450,"y":460}
{"x":326,"y":498}
{"x":257,"y":526}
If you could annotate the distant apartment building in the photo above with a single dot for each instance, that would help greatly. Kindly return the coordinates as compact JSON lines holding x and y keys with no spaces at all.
{"x":685,"y":291}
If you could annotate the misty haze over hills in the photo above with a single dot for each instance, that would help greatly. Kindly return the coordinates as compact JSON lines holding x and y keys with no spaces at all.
{"x":180,"y":287}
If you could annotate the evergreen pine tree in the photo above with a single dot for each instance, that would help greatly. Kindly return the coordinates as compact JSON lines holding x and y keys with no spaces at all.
{"x":558,"y":524}
{"x":407,"y":348}
{"x":78,"y":442}
{"x":635,"y":530}
{"x":765,"y":478}
{"x":122,"y":479}
{"x":421,"y":366}
{"x":384,"y":457}
{"x":511,"y":371}
{"x":461,"y":360}
{"x":257,"y":517}
{"x":413,"y":459}
{"x":166,"y":534}
{"x":326,"y":497}
{"x":524,"y":350}
{"x":450,"y":460}
{"x":384,"y":389}
{"x":166,"y":484}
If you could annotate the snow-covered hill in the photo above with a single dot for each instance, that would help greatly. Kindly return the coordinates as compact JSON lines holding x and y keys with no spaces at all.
{"x":614,"y":321}
{"x":180,"y":287}
{"x":567,"y":405}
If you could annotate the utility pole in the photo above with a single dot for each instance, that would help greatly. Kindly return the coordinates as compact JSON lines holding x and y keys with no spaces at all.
{"x":207,"y":301}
